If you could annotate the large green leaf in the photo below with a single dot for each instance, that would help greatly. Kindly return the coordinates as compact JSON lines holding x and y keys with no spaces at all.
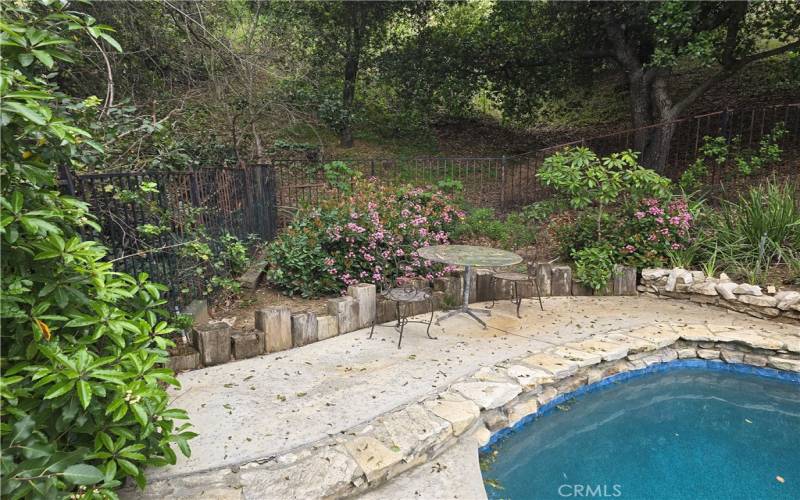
{"x":25,"y":111}
{"x":43,"y":57}
{"x":21,"y":429}
{"x":59,"y":389}
{"x":84,"y":393}
{"x":82,"y":474}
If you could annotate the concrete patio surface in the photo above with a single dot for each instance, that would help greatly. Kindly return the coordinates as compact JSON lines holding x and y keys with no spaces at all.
{"x":261,"y":407}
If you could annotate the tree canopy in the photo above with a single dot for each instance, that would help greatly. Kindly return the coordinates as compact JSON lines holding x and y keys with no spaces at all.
{"x":555,"y":45}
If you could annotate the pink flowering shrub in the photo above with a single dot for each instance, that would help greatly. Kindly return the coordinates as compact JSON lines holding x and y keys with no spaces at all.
{"x":653,"y":230}
{"x":639,"y":233}
{"x":371,"y":236}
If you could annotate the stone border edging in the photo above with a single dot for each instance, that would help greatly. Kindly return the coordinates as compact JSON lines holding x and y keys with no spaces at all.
{"x":489,"y":400}
{"x":695,"y":286}
{"x":279,"y":329}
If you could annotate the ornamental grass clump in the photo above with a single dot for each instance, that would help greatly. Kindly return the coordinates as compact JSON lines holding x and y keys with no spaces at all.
{"x":370,"y":236}
{"x":757,"y":233}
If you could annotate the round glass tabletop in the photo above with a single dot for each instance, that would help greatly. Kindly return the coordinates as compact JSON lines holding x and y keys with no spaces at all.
{"x":468,"y":255}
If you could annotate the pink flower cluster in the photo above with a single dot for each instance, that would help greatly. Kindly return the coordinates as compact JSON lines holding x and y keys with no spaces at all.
{"x":656,"y":228}
{"x":383,"y":230}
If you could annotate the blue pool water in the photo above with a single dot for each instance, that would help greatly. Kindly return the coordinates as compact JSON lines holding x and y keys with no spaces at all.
{"x":687,"y":433}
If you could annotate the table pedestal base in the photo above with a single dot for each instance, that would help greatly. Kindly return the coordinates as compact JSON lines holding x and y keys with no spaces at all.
{"x":465,"y":302}
{"x":468,"y":311}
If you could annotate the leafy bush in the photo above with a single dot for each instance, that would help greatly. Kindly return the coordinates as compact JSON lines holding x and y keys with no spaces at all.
{"x":204,"y":262}
{"x":369,"y":236}
{"x":512,"y":232}
{"x":542,"y":210}
{"x":647,"y":233}
{"x":450,"y":186}
{"x":83,"y":346}
{"x":726,"y":154}
{"x":654,"y":230}
{"x":622,"y":218}
{"x":340,"y":176}
{"x":594,"y":266}
{"x":591,"y":181}
{"x":582,"y":232}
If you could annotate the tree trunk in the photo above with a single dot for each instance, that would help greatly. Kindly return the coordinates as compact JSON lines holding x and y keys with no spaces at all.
{"x":656,"y":152}
{"x":641,"y":111}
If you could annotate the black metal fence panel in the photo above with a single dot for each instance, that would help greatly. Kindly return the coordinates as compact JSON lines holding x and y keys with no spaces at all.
{"x":150,"y":220}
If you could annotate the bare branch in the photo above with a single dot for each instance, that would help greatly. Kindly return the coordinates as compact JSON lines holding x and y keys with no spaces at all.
{"x":109,"y":100}
{"x":152,"y":250}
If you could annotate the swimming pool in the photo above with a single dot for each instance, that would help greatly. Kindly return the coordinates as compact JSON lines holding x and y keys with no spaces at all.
{"x":685,"y":433}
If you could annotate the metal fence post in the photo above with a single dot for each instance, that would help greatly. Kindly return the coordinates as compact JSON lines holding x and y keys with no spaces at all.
{"x":503,"y":183}
{"x":272,"y":204}
{"x":65,"y":178}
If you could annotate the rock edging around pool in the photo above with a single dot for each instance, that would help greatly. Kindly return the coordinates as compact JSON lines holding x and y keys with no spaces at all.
{"x":490,"y":400}
{"x":695,"y":286}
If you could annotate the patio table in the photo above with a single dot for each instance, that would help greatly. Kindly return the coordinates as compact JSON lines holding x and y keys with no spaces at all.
{"x":468,"y":256}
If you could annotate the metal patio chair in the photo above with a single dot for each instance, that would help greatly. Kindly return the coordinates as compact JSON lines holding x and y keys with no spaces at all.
{"x":516,"y":279}
{"x":404,"y":296}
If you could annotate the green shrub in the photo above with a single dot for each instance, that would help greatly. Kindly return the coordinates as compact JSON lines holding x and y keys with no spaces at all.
{"x":511,"y":232}
{"x":593,"y":182}
{"x":542,"y":210}
{"x":594,"y":266}
{"x":626,"y":213}
{"x":205,"y":262}
{"x":340,"y":176}
{"x":371,"y":236}
{"x":643,"y":234}
{"x":83,"y":346}
{"x":726,"y":154}
{"x":582,"y":232}
{"x":450,"y":186}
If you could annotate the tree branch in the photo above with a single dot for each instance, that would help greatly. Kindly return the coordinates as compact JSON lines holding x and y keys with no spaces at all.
{"x":621,"y":51}
{"x":738,"y":11}
{"x":727,"y":72}
{"x":767,"y":53}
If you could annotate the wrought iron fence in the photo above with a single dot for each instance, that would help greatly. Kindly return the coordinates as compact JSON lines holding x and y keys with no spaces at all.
{"x":150,"y":219}
{"x":748,"y":125}
{"x":510,"y":182}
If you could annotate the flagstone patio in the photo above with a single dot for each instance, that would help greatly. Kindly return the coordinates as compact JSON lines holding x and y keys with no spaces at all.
{"x":264,"y":409}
